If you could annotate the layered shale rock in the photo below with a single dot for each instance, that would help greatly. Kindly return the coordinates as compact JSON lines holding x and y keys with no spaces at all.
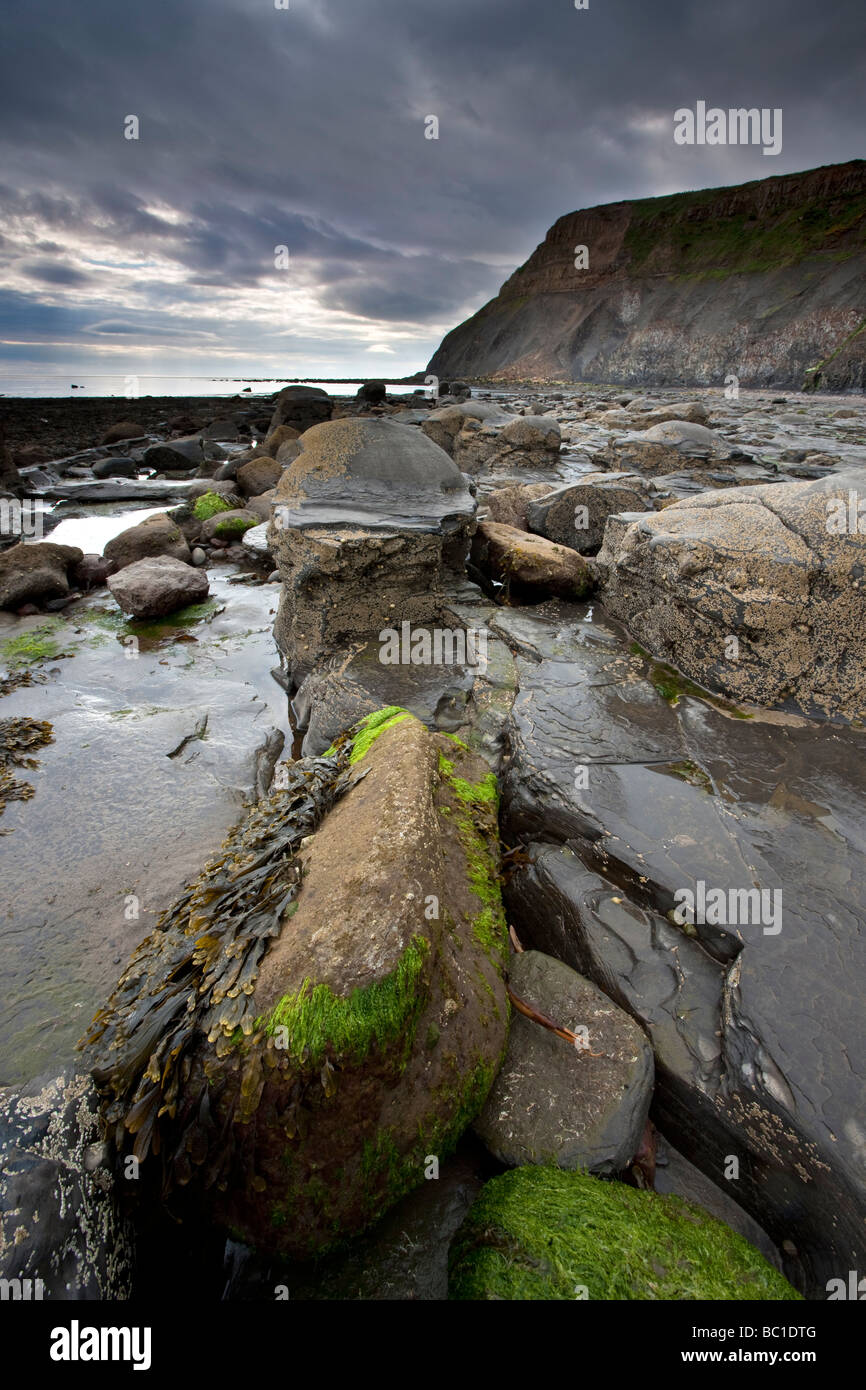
{"x":634,"y":794}
{"x":764,"y":281}
{"x":668,"y":447}
{"x":370,"y":523}
{"x":755,"y":591}
{"x":324,"y":1011}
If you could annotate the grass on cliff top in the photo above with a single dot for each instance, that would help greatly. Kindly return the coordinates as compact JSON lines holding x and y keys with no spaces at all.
{"x":677,"y":235}
{"x":539,"y":1233}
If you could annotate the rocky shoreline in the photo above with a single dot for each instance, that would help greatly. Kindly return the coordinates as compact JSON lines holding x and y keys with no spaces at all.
{"x":550,"y":914}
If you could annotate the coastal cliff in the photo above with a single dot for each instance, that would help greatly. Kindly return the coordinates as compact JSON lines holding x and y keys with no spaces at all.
{"x":765,"y":281}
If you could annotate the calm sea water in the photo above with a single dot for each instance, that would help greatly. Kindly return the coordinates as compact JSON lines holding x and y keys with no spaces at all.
{"x":51,"y":384}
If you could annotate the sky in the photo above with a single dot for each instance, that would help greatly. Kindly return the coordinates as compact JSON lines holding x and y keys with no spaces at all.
{"x":305,"y":127}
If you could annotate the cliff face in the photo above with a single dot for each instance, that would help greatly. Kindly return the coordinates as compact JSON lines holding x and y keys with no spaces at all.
{"x":764,"y":280}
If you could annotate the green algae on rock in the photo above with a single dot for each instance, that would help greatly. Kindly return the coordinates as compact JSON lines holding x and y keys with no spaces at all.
{"x":208,"y":505}
{"x":539,"y":1233}
{"x":316,"y":1016}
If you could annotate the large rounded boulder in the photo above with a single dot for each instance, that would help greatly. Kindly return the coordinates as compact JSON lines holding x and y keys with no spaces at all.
{"x":368,"y":522}
{"x":320,"y":1016}
{"x":757,"y":592}
{"x":301,"y":407}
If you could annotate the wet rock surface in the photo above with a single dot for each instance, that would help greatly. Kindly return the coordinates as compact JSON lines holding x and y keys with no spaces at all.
{"x":157,"y":586}
{"x":556,"y":1102}
{"x":62,"y":1233}
{"x":629,"y":788}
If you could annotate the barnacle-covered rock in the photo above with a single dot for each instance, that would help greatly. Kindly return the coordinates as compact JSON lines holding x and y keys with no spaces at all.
{"x":323,"y":1012}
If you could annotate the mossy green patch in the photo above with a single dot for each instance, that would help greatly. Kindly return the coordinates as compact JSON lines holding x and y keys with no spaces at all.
{"x":208,"y":505}
{"x":489,"y":927}
{"x":37,"y":644}
{"x":372,"y":726}
{"x":233,"y":526}
{"x":319,"y":1023}
{"x":672,"y":685}
{"x":540,"y":1233}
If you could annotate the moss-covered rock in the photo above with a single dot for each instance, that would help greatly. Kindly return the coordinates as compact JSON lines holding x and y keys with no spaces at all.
{"x":540,"y":1233}
{"x":208,"y":505}
{"x":346,"y":1016}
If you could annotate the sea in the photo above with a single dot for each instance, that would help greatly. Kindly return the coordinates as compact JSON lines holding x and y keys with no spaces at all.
{"x":53,"y":385}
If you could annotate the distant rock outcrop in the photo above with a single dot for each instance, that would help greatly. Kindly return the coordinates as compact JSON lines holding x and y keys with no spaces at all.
{"x":764,"y":281}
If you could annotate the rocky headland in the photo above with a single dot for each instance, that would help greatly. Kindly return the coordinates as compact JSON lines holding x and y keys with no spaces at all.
{"x":764,"y":282}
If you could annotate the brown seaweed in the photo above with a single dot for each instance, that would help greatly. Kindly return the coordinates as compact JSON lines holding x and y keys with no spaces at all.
{"x":193,"y":978}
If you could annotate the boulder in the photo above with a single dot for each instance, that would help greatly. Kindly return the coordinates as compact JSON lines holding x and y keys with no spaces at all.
{"x":577,"y":514}
{"x":301,"y":407}
{"x":372,"y":392}
{"x":92,"y":572}
{"x":283,"y":434}
{"x":262,"y":505}
{"x":368,"y":522}
{"x":444,"y":425}
{"x":157,"y":586}
{"x":302,"y":1097}
{"x":259,"y":475}
{"x":33,"y":572}
{"x":287,"y":452}
{"x":156,"y":535}
{"x":530,"y":567}
{"x":224,"y":427}
{"x":750,"y":592}
{"x":229,"y":526}
{"x":62,"y":1234}
{"x":542,"y":1234}
{"x":124,"y":429}
{"x":692,"y":412}
{"x":553,"y":1102}
{"x":115,"y":468}
{"x":669,"y":447}
{"x":508,"y":505}
{"x":182,"y":455}
{"x":225,"y":489}
{"x":255,"y":540}
{"x":529,"y":442}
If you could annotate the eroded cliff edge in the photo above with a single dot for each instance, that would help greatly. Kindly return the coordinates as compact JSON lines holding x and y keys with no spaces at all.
{"x":765,"y":281}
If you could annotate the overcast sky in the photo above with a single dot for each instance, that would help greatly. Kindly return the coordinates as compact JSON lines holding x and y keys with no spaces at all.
{"x":305,"y":127}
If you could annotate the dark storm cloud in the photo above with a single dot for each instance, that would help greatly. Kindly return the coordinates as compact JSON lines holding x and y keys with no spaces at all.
{"x":53,"y":273}
{"x":305,"y":127}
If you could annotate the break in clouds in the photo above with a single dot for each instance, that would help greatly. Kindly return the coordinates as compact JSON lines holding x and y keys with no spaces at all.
{"x":308,"y":127}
